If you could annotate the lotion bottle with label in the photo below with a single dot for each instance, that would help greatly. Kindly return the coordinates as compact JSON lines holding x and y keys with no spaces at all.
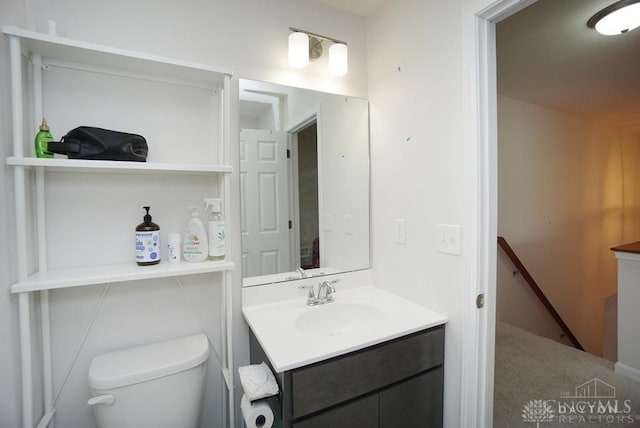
{"x":147,"y":242}
{"x":215,"y":223}
{"x":195,"y":246}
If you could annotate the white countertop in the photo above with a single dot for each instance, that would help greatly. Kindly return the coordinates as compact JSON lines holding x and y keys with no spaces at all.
{"x":288,"y":347}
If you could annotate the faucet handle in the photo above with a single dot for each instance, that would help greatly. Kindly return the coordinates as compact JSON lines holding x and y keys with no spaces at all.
{"x":312,"y":299}
{"x":330,"y":287}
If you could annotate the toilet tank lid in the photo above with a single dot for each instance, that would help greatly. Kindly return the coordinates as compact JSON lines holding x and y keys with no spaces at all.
{"x":148,"y":362}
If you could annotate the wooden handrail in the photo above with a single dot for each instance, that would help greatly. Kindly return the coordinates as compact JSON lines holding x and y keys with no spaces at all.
{"x":547,"y":304}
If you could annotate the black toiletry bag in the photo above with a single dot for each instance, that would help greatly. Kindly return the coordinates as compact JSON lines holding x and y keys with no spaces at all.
{"x":88,"y":142}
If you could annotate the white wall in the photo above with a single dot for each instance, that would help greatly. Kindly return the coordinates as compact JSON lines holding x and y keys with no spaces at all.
{"x":247,"y":36}
{"x":415,"y":90}
{"x":567,"y":193}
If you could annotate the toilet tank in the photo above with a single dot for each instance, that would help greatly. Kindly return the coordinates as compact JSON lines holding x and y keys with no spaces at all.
{"x":158,"y":385}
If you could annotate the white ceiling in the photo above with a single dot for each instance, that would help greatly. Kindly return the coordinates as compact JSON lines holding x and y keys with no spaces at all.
{"x":548,"y":56}
{"x":357,"y":7}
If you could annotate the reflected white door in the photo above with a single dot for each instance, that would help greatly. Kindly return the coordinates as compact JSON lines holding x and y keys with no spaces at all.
{"x":265,"y":205}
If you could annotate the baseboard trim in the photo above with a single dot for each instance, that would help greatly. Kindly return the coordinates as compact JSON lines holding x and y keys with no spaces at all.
{"x":627,"y":371}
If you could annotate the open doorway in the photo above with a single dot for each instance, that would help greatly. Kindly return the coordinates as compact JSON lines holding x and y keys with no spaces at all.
{"x":279,"y":178}
{"x":305,"y":203}
{"x":481,"y":195}
{"x":563,"y":139}
{"x":565,"y":134}
{"x":560,"y":157}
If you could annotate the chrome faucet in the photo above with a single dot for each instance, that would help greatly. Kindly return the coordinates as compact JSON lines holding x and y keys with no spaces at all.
{"x":324,"y":294}
{"x":329,"y":289}
{"x":302,"y":273}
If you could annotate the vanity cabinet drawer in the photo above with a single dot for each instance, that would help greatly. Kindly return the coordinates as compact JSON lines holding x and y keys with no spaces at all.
{"x":335,"y":381}
{"x":362,"y":413}
{"x":415,"y":403}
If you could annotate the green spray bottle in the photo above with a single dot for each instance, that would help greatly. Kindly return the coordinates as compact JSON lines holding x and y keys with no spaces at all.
{"x":43,"y":137}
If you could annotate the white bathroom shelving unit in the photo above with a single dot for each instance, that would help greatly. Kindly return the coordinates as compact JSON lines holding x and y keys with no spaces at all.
{"x":41,"y":48}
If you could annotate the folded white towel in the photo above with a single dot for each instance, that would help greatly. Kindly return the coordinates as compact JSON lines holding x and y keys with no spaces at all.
{"x":258,"y":381}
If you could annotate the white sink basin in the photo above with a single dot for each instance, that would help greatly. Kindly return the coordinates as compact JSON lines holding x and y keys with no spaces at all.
{"x":293,"y":334}
{"x":332,"y":319}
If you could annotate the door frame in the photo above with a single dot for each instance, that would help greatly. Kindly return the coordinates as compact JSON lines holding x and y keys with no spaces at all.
{"x":297,"y":124}
{"x":479,"y":88}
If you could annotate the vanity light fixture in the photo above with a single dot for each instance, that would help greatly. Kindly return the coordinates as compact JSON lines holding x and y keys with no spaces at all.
{"x":305,"y":46}
{"x":298,"y":50}
{"x":338,"y":59}
{"x":617,"y":18}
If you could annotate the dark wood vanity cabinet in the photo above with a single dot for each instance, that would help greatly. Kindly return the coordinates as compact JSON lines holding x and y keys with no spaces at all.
{"x":362,"y":413}
{"x":394,"y":384}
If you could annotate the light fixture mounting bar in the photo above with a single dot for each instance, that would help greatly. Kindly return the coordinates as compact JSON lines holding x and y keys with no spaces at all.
{"x":317,"y":36}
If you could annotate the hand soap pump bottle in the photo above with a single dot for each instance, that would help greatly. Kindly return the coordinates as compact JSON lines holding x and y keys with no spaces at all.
{"x":195,"y":246}
{"x":215,"y":223}
{"x":43,"y":137}
{"x":147,"y":242}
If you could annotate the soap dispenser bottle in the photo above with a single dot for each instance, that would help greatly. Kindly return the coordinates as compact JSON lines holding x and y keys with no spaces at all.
{"x":147,"y":241}
{"x":215,"y":223}
{"x":195,"y":247}
{"x":43,"y":138}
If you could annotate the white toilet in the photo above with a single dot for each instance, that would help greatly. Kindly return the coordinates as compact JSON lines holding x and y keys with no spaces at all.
{"x":153,"y":386}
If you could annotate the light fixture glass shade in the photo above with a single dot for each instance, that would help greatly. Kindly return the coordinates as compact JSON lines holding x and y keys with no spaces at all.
{"x":298,"y":49}
{"x":619,"y":21}
{"x":338,"y":59}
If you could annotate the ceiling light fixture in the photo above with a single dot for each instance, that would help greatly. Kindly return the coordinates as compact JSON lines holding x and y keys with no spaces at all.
{"x":305,"y":46}
{"x":618,"y":18}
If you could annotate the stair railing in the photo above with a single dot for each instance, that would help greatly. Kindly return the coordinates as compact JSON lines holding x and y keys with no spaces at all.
{"x":536,"y":289}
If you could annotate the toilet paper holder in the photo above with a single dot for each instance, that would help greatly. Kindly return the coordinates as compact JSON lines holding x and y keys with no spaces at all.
{"x":258,"y":383}
{"x":257,"y":414}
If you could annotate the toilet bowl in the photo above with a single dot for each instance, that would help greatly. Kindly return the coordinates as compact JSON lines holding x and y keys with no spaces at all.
{"x":153,"y":386}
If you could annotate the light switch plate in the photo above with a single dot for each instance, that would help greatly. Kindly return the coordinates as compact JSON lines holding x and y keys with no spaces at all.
{"x":400,"y":231}
{"x":348,"y":224}
{"x":327,"y":222}
{"x":449,"y":238}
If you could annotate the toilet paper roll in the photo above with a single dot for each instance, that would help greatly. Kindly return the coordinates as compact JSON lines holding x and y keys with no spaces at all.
{"x":256,"y":415}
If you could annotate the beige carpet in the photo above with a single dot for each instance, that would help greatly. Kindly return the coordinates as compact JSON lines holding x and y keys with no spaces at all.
{"x":542,"y":383}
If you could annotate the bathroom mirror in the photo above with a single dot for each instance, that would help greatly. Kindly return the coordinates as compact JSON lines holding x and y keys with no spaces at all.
{"x":304,"y":176}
